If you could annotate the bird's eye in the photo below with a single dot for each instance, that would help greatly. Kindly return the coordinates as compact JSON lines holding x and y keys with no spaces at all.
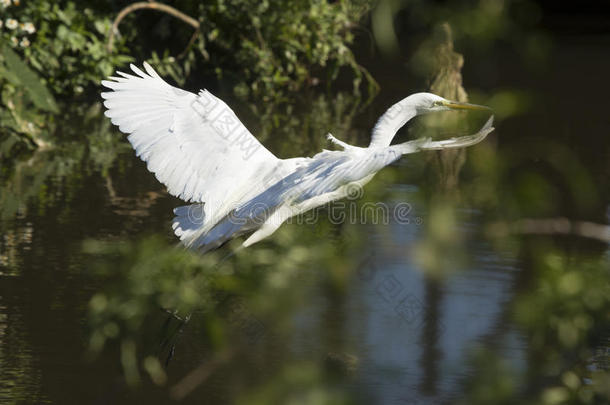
{"x":437,"y":104}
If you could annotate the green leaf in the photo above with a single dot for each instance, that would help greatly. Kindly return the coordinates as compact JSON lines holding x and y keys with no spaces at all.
{"x":20,"y":75}
{"x":101,"y":26}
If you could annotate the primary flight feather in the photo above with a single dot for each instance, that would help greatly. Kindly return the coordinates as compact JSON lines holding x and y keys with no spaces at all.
{"x":198,"y":148}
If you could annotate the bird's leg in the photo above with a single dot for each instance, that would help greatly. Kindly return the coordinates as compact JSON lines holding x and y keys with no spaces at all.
{"x":169,"y":336}
{"x":418,"y":145}
{"x":460,"y":142}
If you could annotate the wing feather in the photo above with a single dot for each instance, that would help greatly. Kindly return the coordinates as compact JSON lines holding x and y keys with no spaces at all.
{"x":194,"y":144}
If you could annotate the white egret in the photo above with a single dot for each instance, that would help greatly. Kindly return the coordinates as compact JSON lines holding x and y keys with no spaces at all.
{"x":197,"y":147}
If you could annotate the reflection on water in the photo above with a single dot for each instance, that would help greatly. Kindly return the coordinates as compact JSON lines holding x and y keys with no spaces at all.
{"x":433,"y":308}
{"x":410,"y":333}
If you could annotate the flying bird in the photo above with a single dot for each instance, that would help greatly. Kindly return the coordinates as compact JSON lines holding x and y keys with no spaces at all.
{"x":198,"y":148}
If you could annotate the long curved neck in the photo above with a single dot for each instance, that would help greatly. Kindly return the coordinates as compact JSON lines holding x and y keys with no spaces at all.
{"x":390,"y":122}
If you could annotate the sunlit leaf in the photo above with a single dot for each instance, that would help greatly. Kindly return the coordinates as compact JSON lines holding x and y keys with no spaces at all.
{"x":20,"y":75}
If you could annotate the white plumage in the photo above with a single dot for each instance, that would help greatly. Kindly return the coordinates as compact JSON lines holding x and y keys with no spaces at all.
{"x":197,"y":147}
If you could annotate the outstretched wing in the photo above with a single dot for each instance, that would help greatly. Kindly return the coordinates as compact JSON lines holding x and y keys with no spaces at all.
{"x":194,"y":144}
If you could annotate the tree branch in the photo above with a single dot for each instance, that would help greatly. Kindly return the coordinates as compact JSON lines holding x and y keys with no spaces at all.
{"x":200,"y":374}
{"x":553,"y":226}
{"x":152,"y":5}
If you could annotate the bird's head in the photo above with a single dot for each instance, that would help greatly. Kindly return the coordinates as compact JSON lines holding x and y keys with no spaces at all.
{"x":428,"y":102}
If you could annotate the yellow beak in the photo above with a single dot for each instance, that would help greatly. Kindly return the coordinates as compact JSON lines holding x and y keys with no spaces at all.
{"x":454,"y":105}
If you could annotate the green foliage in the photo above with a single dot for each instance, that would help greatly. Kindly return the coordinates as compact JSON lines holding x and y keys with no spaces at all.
{"x":59,"y":50}
{"x":69,"y":46}
{"x":300,"y":383}
{"x":20,"y":75}
{"x":23,"y":91}
{"x":567,"y":306}
{"x":159,"y":277}
{"x":280,"y":46}
{"x":49,"y":50}
{"x":495,"y":382}
{"x":571,"y":297}
{"x":284,"y":45}
{"x":563,"y":313}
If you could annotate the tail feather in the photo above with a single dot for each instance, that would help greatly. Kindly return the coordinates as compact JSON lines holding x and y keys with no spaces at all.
{"x":188,"y":222}
{"x":190,"y":225}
